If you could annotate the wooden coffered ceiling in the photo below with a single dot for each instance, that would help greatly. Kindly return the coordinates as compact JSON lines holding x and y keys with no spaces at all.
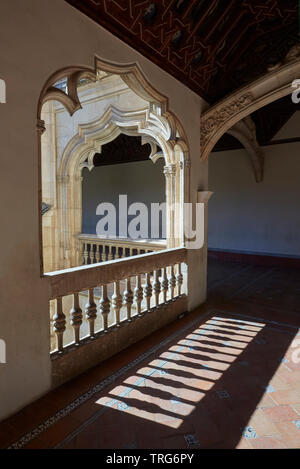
{"x":123,"y":149}
{"x":212,"y":46}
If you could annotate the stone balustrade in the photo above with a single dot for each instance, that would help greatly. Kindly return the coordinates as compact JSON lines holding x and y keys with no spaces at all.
{"x":102,"y":308}
{"x":95,"y":249}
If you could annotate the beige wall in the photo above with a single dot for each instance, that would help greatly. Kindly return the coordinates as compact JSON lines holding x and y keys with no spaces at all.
{"x":38,"y":37}
{"x":257,"y":218}
{"x":141,"y":181}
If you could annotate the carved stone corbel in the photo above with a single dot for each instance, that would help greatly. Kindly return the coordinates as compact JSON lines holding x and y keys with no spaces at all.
{"x":40,"y":126}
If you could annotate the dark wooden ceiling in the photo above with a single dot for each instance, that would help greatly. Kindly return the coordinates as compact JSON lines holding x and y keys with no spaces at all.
{"x":124,"y":149}
{"x":212,"y":46}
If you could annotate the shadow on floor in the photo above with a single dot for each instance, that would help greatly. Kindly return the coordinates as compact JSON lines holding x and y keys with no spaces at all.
{"x":223,"y":380}
{"x":208,"y":389}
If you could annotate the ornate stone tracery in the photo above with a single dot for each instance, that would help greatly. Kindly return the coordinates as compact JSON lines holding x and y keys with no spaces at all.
{"x":155,"y":123}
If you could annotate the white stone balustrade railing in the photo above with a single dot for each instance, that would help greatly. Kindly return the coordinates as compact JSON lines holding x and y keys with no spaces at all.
{"x":95,"y":250}
{"x":117,"y":292}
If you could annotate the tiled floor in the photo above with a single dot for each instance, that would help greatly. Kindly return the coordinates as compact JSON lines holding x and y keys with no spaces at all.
{"x":225,"y":376}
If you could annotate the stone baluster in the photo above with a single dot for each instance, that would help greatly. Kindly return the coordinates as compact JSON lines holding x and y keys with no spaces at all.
{"x":172,"y":282}
{"x":81,"y":249}
{"x":85,"y":253}
{"x":128,"y":297}
{"x":164,"y":284}
{"x":156,"y":287}
{"x":179,"y":279}
{"x":97,"y":252}
{"x":105,"y":307}
{"x":90,"y":254}
{"x":76,"y":318}
{"x":130,"y":252}
{"x":59,"y":325}
{"x":138,"y":294}
{"x":109,"y":256}
{"x":148,"y":291}
{"x":94,"y":253}
{"x":102,"y":252}
{"x":91,"y":312}
{"x":116,"y":302}
{"x":104,"y":255}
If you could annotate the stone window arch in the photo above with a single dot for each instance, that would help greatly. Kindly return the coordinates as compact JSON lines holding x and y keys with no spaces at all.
{"x":156,"y":124}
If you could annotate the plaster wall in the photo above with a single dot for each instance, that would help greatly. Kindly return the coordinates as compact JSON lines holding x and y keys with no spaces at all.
{"x":37,"y":38}
{"x":255,"y":218}
{"x":142,"y":182}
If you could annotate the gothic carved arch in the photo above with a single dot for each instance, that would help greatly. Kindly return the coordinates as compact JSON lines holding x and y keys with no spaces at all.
{"x":90,"y":138}
{"x":157,"y":125}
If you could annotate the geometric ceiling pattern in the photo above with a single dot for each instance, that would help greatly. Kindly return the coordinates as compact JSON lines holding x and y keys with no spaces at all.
{"x":213,"y":47}
{"x":123,"y":149}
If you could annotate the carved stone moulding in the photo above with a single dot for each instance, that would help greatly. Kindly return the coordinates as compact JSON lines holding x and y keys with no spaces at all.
{"x":155,"y":123}
{"x":213,"y":119}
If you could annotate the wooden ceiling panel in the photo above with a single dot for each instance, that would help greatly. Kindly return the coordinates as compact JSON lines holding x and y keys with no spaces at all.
{"x":213,"y":46}
{"x":124,"y":149}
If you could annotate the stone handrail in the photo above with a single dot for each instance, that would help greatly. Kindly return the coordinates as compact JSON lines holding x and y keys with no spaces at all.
{"x":95,"y":249}
{"x":158,"y":280}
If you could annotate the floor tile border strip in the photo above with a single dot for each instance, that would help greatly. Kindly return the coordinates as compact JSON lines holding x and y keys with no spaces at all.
{"x":28,"y":437}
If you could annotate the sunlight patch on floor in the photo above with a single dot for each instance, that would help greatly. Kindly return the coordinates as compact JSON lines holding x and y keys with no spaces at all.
{"x":171,"y":386}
